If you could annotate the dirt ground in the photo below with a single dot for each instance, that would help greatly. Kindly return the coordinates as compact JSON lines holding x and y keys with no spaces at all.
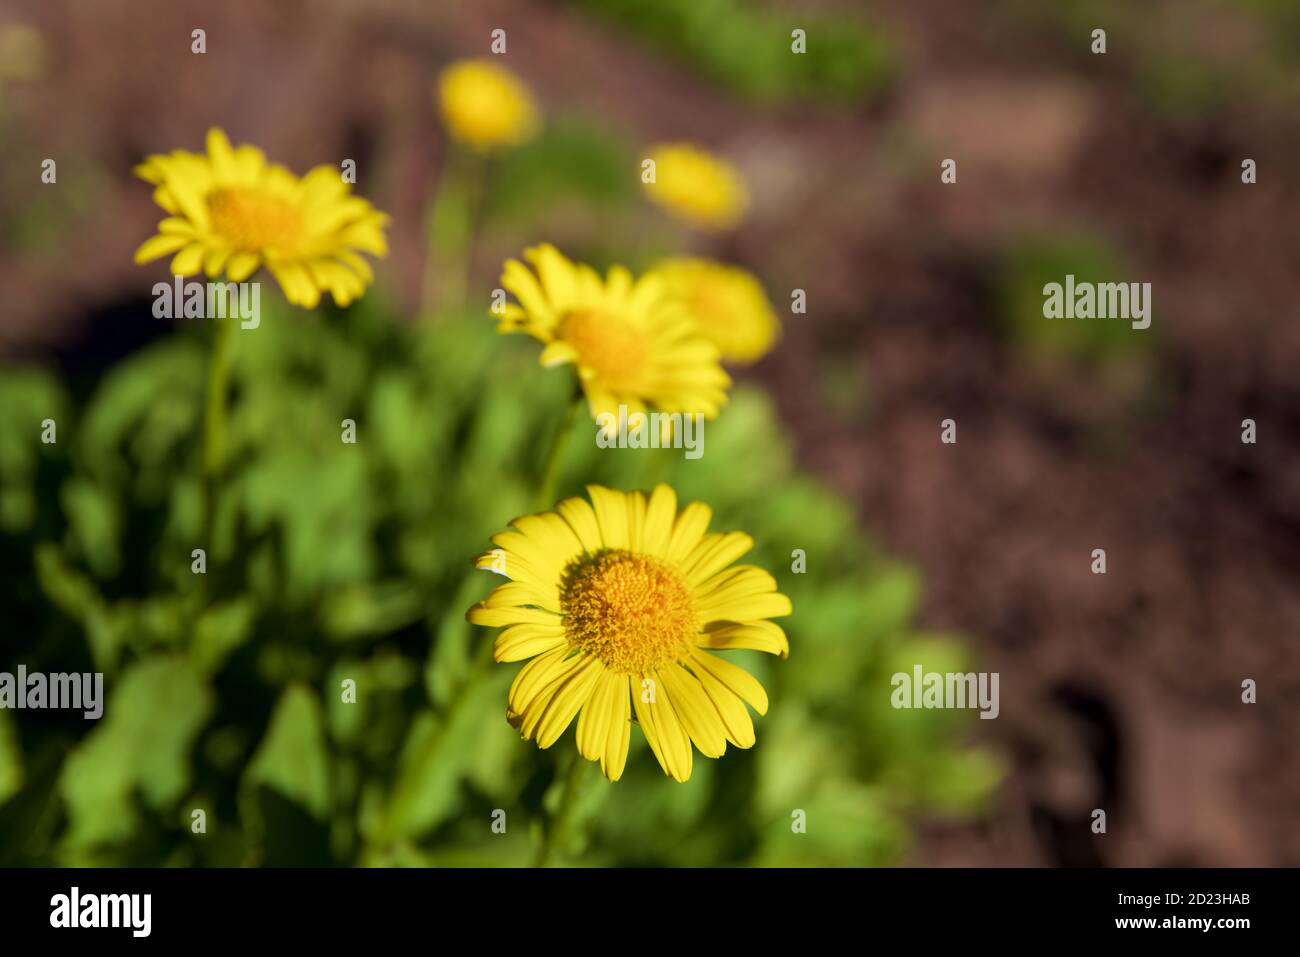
{"x":1121,"y":691}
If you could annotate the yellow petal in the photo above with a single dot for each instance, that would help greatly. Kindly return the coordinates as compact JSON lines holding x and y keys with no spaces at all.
{"x":659,"y":520}
{"x":213,"y":260}
{"x":519,"y":594}
{"x":771,"y":605}
{"x":553,"y":534}
{"x":568,"y":699}
{"x":497,"y":617}
{"x":582,"y":519}
{"x":735,"y":678}
{"x":715,"y":553}
{"x":157,"y":246}
{"x":188,"y":261}
{"x":557,"y":353}
{"x":735,"y":716}
{"x":593,"y":723}
{"x":539,"y":707}
{"x":688,"y":531}
{"x":756,"y":636}
{"x":695,"y":711}
{"x":527,"y":641}
{"x":614,"y":758}
{"x":636,"y":508}
{"x":529,"y":556}
{"x":668,"y":740}
{"x":535,"y":676}
{"x":611,"y":514}
{"x":241,"y":266}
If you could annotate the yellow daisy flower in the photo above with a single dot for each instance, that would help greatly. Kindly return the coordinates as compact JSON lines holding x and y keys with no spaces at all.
{"x":727,"y":303}
{"x":486,"y":106}
{"x":632,"y":343}
{"x":704,"y":190}
{"x":232,"y":211}
{"x":620,"y":603}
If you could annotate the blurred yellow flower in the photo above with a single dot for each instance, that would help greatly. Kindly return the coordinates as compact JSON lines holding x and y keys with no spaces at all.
{"x":704,"y":190}
{"x":23,"y":53}
{"x":486,"y":106}
{"x":619,"y":602}
{"x":232,"y":211}
{"x":633,"y":344}
{"x":727,"y":303}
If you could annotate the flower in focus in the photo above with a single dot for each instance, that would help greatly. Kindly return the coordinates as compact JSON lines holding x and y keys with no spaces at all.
{"x":632,"y":343}
{"x":696,"y":186}
{"x":232,"y":211}
{"x":485,"y":105}
{"x":728,"y":305}
{"x":620,"y":603}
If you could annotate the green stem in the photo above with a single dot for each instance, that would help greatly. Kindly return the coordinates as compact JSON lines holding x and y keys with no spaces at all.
{"x":560,"y":441}
{"x":408,"y":785}
{"x":451,"y":223}
{"x":214,"y":422}
{"x":562,"y":821}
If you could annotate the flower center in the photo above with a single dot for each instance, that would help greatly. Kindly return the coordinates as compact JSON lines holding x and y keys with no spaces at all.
{"x":253,"y":221}
{"x":631,"y":611}
{"x":613,"y":347}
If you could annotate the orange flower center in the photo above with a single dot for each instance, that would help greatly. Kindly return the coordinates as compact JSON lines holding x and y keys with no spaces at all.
{"x":631,"y":611}
{"x":252,"y":221}
{"x":612,"y":347}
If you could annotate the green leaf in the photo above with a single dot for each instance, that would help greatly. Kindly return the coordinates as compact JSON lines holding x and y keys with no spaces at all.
{"x":142,"y":746}
{"x":68,"y":589}
{"x":292,"y":759}
{"x":11,"y":758}
{"x":370,"y":608}
{"x":220,"y":630}
{"x":95,"y":519}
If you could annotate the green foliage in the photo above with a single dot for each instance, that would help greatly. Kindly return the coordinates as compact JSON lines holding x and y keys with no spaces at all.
{"x":569,"y":160}
{"x":1221,"y":53}
{"x":749,"y":50}
{"x":141,"y":747}
{"x":334,"y":565}
{"x":1034,"y":262}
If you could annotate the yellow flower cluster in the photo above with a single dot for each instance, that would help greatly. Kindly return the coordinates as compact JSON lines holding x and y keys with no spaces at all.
{"x":618,"y":601}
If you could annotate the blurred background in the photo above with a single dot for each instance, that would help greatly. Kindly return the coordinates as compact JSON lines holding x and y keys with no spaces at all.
{"x":1119,"y":691}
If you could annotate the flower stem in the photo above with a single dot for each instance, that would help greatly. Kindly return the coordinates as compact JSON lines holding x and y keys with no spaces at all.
{"x":560,"y":441}
{"x":407,"y":789}
{"x":562,"y":821}
{"x":214,"y":422}
{"x":451,"y":223}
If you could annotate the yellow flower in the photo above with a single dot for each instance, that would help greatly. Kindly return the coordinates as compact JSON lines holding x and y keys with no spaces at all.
{"x":23,"y":54}
{"x":232,"y":211}
{"x":727,"y":303}
{"x":704,"y":190}
{"x":620,"y":602}
{"x":485,"y":105}
{"x":632,"y":343}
